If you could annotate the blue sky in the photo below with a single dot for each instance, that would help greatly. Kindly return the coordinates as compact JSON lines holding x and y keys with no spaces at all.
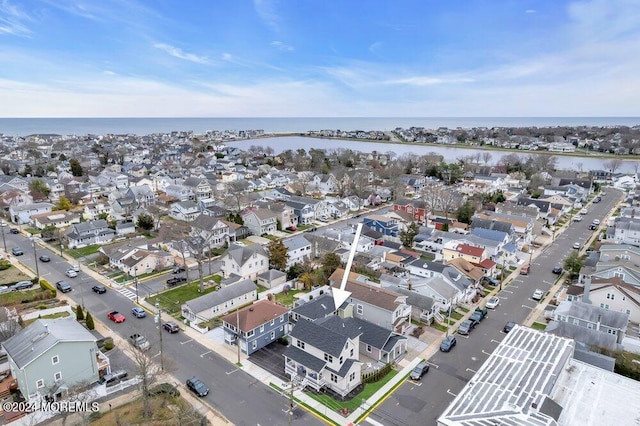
{"x":320,"y":58}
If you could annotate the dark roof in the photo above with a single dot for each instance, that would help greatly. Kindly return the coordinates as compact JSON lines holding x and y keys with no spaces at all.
{"x":256,"y":314}
{"x":316,"y":308}
{"x":304,"y":358}
{"x":370,"y":334}
{"x":542,"y":205}
{"x":319,"y":337}
{"x":494,"y":225}
{"x":225,"y":294}
{"x":345,"y":367}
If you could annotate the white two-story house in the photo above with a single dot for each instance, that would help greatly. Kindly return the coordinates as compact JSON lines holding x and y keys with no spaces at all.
{"x":245,"y":262}
{"x":299,"y":249}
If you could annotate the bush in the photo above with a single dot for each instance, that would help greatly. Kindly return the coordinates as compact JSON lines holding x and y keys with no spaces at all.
{"x":42,"y":306}
{"x":89,"y":321}
{"x":79,"y":313}
{"x":4,"y":264}
{"x":46,"y":285}
{"x":108,"y":345}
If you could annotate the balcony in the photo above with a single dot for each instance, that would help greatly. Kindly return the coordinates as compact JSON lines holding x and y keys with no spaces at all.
{"x":308,"y":378}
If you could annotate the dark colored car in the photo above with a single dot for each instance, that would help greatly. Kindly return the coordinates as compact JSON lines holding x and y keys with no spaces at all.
{"x":557,"y":270}
{"x":489,"y":281}
{"x":17,"y":251}
{"x":171,"y":327}
{"x":179,"y":269}
{"x":480,"y":313}
{"x":44,"y":258}
{"x":14,"y":231}
{"x":508,"y":326}
{"x":138,"y":312}
{"x":100,"y":289}
{"x":597,"y":200}
{"x":176,"y":280}
{"x":21,"y":285}
{"x":447,"y":344}
{"x":196,"y":386}
{"x":466,"y":326}
{"x":593,"y":227}
{"x":63,"y":286}
{"x":419,"y":371}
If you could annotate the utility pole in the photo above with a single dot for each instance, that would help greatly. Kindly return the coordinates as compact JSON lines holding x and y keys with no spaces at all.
{"x":35,"y":257}
{"x":4,"y":242}
{"x":159,"y":322}
{"x":238,"y":332}
{"x":291,"y":404}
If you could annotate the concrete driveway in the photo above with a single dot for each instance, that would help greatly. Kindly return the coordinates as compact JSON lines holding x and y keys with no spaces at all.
{"x":270,"y":359}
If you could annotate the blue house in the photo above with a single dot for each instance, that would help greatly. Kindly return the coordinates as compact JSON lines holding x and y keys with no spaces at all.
{"x":256,"y":326}
{"x":385,"y":225}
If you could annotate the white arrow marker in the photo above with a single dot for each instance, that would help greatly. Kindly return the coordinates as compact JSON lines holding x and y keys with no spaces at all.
{"x":340,"y":295}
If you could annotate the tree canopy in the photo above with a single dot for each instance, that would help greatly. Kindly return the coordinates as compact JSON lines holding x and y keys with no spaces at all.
{"x":406,"y":237}
{"x":278,"y":255}
{"x":76,"y":168}
{"x":573,"y":263}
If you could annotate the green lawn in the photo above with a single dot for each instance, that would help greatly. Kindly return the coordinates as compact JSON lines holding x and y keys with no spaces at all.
{"x":83,"y":251}
{"x":171,"y":300}
{"x":14,"y":297}
{"x":288,"y":298}
{"x":367,"y":392}
{"x":538,"y":326}
{"x":50,"y":316}
{"x":439,"y":327}
{"x":456,"y":315}
{"x":12,"y":275}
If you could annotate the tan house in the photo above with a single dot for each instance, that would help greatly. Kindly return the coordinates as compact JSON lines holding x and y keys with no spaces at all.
{"x":464,"y":251}
{"x":58,"y":218}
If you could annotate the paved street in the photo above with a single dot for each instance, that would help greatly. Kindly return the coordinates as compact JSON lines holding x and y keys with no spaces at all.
{"x":421,"y":404}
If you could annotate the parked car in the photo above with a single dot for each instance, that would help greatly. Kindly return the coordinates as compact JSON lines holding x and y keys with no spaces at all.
{"x":524,"y":269}
{"x":196,"y":386}
{"x":100,"y":289}
{"x":493,"y":302}
{"x":508,"y":326}
{"x":465,"y":327}
{"x":419,"y":371}
{"x":490,"y":281}
{"x":14,"y":231}
{"x":22,"y":285}
{"x":447,"y":343}
{"x":537,"y":294}
{"x":179,"y":269}
{"x":576,"y":245}
{"x":17,"y":251}
{"x":292,"y":228}
{"x":171,"y":327}
{"x":71,"y":273}
{"x":596,"y":221}
{"x":138,"y":312}
{"x":115,"y":376}
{"x":479,"y":314}
{"x":5,"y":289}
{"x":577,"y":218}
{"x":584,"y":211}
{"x":176,"y":280}
{"x":116,"y":316}
{"x":44,"y":258}
{"x":63,"y":286}
{"x":557,"y":270}
{"x":593,"y":227}
{"x":597,"y":200}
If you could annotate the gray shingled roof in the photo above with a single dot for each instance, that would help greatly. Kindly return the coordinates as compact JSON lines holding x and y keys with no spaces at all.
{"x":215,"y":298}
{"x":41,"y":335}
{"x":296,"y":242}
{"x":243,"y":253}
{"x":319,"y":337}
{"x":304,"y":358}
{"x":316,"y":308}
{"x":593,"y":314}
{"x":370,"y":334}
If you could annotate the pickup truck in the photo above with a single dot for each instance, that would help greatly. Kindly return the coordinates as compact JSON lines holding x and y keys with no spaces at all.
{"x":139,"y":342}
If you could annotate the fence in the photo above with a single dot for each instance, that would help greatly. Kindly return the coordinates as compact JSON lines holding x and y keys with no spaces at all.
{"x":197,"y":328}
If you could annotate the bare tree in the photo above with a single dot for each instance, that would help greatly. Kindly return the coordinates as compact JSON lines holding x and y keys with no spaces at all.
{"x":613,"y":165}
{"x":197,"y":245}
{"x":157,"y":213}
{"x":235,"y":197}
{"x":9,"y":323}
{"x":486,"y":157}
{"x":359,"y":185}
{"x":147,"y":370}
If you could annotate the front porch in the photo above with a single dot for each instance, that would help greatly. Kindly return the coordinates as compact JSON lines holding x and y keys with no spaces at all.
{"x":302,"y":376}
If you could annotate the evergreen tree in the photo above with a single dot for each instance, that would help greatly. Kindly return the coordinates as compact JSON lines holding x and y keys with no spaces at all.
{"x":330,"y":262}
{"x":278,"y":255}
{"x":76,"y":168}
{"x":406,"y":237}
{"x":465,"y":212}
{"x":89,"y":321}
{"x":145,"y":222}
{"x":79,"y":313}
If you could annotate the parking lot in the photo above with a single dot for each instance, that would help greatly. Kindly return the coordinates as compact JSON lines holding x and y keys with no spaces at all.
{"x":270,"y":359}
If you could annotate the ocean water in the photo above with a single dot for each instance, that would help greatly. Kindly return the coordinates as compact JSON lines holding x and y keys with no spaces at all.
{"x":145,"y":126}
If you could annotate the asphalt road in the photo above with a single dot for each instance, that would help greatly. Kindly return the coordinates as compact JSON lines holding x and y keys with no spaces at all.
{"x":422,"y":403}
{"x":240,"y":397}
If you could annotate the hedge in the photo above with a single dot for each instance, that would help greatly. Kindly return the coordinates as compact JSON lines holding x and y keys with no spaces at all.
{"x":45,"y":285}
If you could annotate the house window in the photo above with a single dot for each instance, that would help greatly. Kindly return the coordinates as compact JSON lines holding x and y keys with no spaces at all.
{"x":273,"y":335}
{"x":273,"y":321}
{"x":628,"y":311}
{"x":262,"y":328}
{"x":249,"y":334}
{"x":328,"y":358}
{"x":351,"y":353}
{"x":352,"y":376}
{"x":282,"y":317}
{"x":254,"y":344}
{"x":57,"y":376}
{"x":40,"y":383}
{"x":359,"y":309}
{"x":368,"y":348}
{"x":589,"y":325}
{"x":610,"y":331}
{"x":300,"y":344}
{"x":55,"y":359}
{"x":611,"y":296}
{"x":334,"y":378}
{"x":341,"y":360}
{"x":576,"y":321}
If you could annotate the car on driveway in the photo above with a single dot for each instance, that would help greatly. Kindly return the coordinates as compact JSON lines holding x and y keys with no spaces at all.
{"x":176,"y":280}
{"x":537,"y":294}
{"x":116,"y":316}
{"x":196,"y":386}
{"x":44,"y":258}
{"x":100,"y":289}
{"x":17,"y":251}
{"x":557,"y":270}
{"x":447,"y":343}
{"x":138,"y":312}
{"x":508,"y":326}
{"x":71,"y":273}
{"x":419,"y":371}
{"x":63,"y":286}
{"x":171,"y":327}
{"x":466,"y":326}
{"x":493,"y":302}
{"x":22,"y":285}
{"x":114,"y":377}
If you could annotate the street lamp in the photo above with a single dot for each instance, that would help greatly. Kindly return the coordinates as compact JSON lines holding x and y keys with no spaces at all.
{"x":158,"y":320}
{"x":35,"y":256}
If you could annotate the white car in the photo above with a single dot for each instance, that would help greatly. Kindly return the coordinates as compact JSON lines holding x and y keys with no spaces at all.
{"x":576,"y":246}
{"x":492,"y":303}
{"x":596,"y":221}
{"x":537,"y":295}
{"x":584,"y":211}
{"x":577,"y":218}
{"x":71,"y":273}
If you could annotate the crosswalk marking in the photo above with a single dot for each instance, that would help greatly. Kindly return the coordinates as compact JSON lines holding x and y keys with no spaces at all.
{"x":127,"y":293}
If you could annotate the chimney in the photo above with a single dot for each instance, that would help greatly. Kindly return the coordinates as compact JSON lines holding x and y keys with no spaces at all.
{"x":587,"y":290}
{"x":598,"y":324}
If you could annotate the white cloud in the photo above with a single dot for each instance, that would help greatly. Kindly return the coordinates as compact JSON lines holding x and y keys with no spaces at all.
{"x":282,"y":46}
{"x":429,"y":81}
{"x":266,"y":10}
{"x":375,"y":47}
{"x":530,"y":11}
{"x":13,"y":20}
{"x":176,"y":52}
